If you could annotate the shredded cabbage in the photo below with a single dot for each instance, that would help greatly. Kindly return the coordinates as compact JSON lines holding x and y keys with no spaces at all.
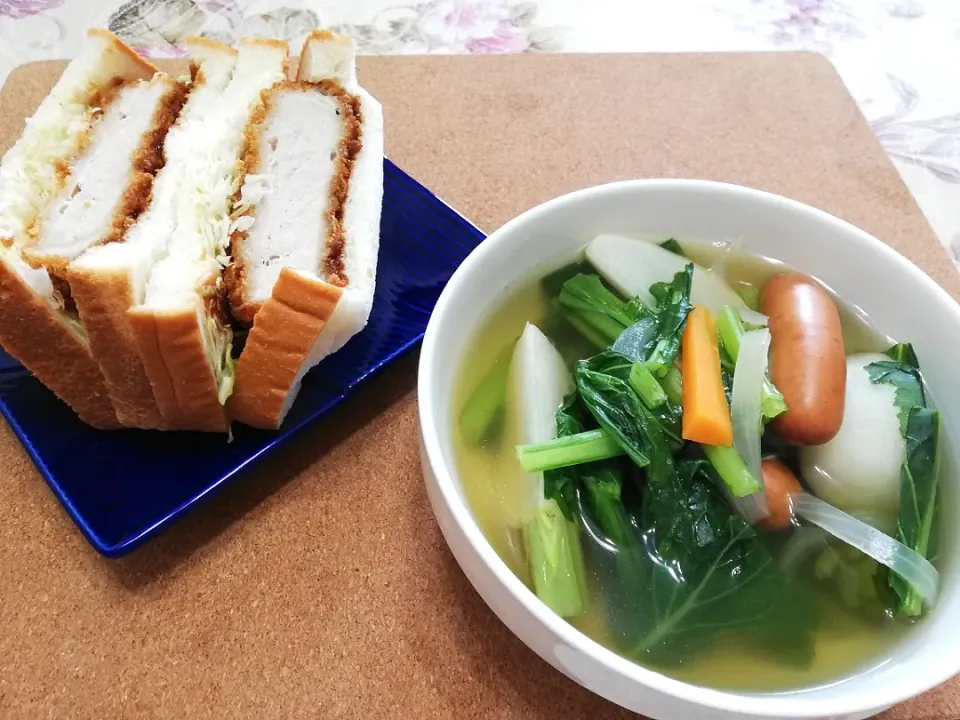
{"x":28,"y":176}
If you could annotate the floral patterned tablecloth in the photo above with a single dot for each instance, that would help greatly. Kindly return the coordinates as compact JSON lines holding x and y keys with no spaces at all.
{"x":898,"y":57}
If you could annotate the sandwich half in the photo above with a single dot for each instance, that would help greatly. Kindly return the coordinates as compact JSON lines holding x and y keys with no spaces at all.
{"x":104,"y":113}
{"x":306,"y":228}
{"x":108,"y":280}
{"x":181,"y":327}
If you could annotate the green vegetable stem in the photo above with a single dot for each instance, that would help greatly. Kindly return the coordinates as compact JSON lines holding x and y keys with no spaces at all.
{"x":595,"y":311}
{"x":552,"y":538}
{"x":732,"y":470}
{"x":484,"y":409}
{"x":585,"y":447}
{"x":555,"y":559}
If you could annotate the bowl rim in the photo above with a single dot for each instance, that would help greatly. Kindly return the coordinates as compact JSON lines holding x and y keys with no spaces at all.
{"x":787,"y":704}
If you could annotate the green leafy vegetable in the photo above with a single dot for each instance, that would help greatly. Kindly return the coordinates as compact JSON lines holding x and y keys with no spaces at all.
{"x":730,"y":329}
{"x":673,"y":306}
{"x":703,"y":569}
{"x":598,"y":337}
{"x":673,"y":246}
{"x":708,"y":572}
{"x":587,"y":292}
{"x":560,"y":481}
{"x":552,"y":283}
{"x":595,"y":311}
{"x":918,"y":497}
{"x":615,"y":550}
{"x":920,"y":472}
{"x":620,"y":368}
{"x":619,"y":412}
{"x":638,"y":340}
{"x":569,"y":341}
{"x":903,"y":353}
{"x":907,"y":383}
{"x":483,"y":411}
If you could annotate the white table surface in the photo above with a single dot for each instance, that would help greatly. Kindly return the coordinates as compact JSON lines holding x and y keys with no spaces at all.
{"x":899,"y":58}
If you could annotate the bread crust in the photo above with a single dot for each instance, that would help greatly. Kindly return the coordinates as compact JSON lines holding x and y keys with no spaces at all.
{"x":126,"y":59}
{"x":200,"y":43}
{"x":172,"y":339}
{"x":331,"y":268}
{"x":283,"y":332}
{"x":102,"y":296}
{"x":34,"y":333}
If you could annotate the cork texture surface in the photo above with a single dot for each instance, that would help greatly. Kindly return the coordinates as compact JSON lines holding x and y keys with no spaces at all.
{"x":319,"y":585}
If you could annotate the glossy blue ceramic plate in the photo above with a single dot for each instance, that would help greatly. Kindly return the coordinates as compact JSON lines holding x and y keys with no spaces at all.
{"x":123,"y":487}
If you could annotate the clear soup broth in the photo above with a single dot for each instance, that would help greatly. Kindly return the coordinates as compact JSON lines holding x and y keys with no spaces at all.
{"x":851,"y":634}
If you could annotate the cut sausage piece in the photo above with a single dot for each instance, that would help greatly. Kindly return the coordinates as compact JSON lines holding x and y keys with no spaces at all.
{"x":779,"y":483}
{"x":807,"y":357}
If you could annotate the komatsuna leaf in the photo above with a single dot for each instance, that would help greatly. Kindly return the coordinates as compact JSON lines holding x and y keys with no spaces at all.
{"x":587,"y":292}
{"x":638,"y":340}
{"x":617,"y":409}
{"x":904,"y":353}
{"x":613,"y":547}
{"x":673,"y":246}
{"x":707,"y":572}
{"x":907,"y":383}
{"x":553,"y":282}
{"x":618,"y":366}
{"x":919,"y":476}
{"x":673,"y":306}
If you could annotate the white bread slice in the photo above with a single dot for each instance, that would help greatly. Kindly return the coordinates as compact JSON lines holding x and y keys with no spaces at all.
{"x":108,"y":280}
{"x":182,"y":332}
{"x":306,"y":242}
{"x":34,"y":327}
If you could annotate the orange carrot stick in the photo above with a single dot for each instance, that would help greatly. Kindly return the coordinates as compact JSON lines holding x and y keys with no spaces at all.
{"x":706,"y":415}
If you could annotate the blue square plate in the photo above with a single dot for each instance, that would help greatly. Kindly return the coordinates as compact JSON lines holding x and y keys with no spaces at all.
{"x":123,"y":487}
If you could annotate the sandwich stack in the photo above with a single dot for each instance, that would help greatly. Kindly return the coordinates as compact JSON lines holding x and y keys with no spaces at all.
{"x":145,"y":218}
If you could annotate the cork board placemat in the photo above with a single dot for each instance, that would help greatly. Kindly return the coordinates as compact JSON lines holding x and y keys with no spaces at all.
{"x":320,"y":586}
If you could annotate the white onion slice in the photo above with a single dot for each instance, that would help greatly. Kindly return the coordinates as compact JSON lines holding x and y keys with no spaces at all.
{"x":910,"y":565}
{"x":747,"y":414}
{"x":752,"y":317}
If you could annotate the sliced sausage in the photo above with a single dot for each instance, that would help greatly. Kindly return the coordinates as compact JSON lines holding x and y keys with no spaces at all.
{"x":807,"y":357}
{"x":779,"y":483}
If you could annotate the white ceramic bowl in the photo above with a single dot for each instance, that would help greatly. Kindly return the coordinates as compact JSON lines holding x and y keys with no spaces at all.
{"x":897,"y":296}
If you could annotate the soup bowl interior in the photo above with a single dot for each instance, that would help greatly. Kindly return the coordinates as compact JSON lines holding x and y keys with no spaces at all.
{"x":900,"y":300}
